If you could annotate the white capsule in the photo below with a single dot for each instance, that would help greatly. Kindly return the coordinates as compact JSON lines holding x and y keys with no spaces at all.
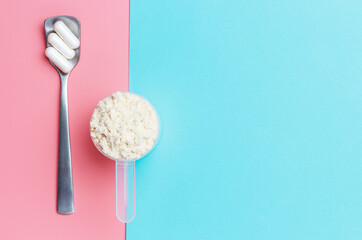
{"x":67,"y":35}
{"x":58,"y":59}
{"x":61,"y":46}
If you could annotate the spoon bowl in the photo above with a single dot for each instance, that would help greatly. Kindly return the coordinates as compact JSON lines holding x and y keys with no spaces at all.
{"x":74,"y":25}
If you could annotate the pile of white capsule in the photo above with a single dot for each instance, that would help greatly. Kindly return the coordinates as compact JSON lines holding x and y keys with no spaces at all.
{"x":63,"y":43}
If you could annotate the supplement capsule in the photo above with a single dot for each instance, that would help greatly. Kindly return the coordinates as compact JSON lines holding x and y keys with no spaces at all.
{"x":58,"y":59}
{"x":67,"y":35}
{"x":61,"y":46}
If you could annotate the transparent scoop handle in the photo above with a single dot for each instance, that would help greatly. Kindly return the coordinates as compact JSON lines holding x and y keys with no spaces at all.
{"x":125,"y":184}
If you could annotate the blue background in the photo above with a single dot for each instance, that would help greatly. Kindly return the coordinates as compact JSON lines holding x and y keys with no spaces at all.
{"x":261,"y":113}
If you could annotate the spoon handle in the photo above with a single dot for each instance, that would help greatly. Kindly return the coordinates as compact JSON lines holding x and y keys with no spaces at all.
{"x":125,"y":186}
{"x":65,"y":197}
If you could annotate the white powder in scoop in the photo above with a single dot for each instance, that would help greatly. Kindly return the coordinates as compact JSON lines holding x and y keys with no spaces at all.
{"x":124,"y":126}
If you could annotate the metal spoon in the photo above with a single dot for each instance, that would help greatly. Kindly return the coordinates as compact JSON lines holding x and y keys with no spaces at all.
{"x":65,"y":196}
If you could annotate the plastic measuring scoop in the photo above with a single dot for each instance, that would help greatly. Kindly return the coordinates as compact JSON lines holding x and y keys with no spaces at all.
{"x":125,"y":181}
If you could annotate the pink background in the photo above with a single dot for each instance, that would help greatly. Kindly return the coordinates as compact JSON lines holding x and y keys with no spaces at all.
{"x":29,"y":95}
